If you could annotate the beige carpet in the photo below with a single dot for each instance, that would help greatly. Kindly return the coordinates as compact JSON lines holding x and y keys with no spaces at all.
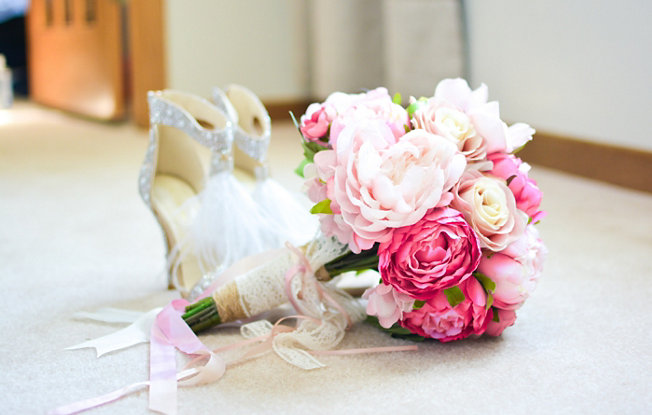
{"x":75,"y":236}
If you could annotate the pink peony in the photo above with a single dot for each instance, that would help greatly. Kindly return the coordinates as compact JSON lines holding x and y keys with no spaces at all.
{"x":438,"y":320}
{"x":465,"y":118}
{"x":381,"y":184}
{"x":438,"y":252}
{"x":387,"y":304}
{"x":373,"y":105}
{"x":488,"y":205}
{"x":506,"y":318}
{"x":526,"y":192}
{"x":316,"y":121}
{"x":515,"y":270}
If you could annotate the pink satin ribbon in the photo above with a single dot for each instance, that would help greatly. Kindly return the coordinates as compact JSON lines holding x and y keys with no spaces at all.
{"x":169,"y":332}
{"x":96,"y":401}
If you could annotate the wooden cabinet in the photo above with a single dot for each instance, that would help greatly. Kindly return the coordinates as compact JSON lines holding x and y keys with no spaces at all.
{"x":96,"y":57}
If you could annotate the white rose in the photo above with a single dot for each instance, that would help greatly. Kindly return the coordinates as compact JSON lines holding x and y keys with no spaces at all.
{"x":490,"y":208}
{"x":453,"y":125}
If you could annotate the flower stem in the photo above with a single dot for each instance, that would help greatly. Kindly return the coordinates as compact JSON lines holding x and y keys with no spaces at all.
{"x":202,"y":315}
{"x":353,"y":262}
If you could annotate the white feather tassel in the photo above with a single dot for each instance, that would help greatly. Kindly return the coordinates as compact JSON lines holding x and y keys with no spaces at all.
{"x":228,"y":224}
{"x":293,"y":221}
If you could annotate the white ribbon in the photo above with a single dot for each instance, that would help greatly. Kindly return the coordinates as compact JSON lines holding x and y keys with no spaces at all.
{"x":136,"y":333}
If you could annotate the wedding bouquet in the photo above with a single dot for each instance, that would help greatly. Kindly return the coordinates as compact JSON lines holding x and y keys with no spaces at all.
{"x":432,"y":196}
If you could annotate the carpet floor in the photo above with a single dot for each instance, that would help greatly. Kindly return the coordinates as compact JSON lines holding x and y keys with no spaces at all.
{"x":75,"y":236}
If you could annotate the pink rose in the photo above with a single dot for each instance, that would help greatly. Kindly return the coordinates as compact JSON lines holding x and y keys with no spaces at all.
{"x":438,"y":320}
{"x":465,"y":118}
{"x":506,"y":318}
{"x":387,"y":304}
{"x":488,"y":205}
{"x":315,"y":122}
{"x":381,"y":184}
{"x":438,"y":252}
{"x":526,"y":192}
{"x":515,"y":270}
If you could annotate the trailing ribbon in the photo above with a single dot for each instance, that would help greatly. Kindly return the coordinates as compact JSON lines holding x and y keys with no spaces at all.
{"x":135,"y":333}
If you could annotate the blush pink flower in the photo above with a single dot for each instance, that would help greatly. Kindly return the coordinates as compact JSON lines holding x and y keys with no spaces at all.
{"x":506,"y":318}
{"x":488,"y":205}
{"x":526,"y":192}
{"x":316,"y":121}
{"x":438,"y":252}
{"x":381,"y":183}
{"x":515,"y":270}
{"x":318,"y":186}
{"x":464,"y":117}
{"x":438,"y":320}
{"x":372,"y":105}
{"x":387,"y":304}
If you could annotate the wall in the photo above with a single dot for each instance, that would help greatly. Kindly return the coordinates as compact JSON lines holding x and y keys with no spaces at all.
{"x":298,"y":49}
{"x":581,"y":68}
{"x":257,"y":43}
{"x":346,"y":45}
{"x":423,"y":44}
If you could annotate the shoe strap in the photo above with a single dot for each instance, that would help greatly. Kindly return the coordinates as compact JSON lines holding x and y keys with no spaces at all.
{"x":164,"y":112}
{"x":253,"y":146}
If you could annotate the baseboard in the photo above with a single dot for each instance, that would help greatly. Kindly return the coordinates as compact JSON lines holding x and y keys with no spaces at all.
{"x":280,"y":110}
{"x":612,"y":164}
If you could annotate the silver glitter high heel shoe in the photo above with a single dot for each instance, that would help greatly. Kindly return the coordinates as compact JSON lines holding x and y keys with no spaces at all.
{"x":189,"y":137}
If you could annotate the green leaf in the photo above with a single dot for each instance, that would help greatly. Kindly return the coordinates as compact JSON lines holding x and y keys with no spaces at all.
{"x":322,"y":207}
{"x":454,"y":295}
{"x":490,"y":301}
{"x":529,"y":220}
{"x":414,"y":106}
{"x":310,"y":149}
{"x":418,"y":304}
{"x":300,"y":167}
{"x":296,"y":123}
{"x":496,"y":316}
{"x":520,"y":148}
{"x":487,"y":283}
{"x":396,"y":330}
{"x":397,"y":98}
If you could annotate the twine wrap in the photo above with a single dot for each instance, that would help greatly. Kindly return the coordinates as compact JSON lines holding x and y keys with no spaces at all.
{"x":227,"y":302}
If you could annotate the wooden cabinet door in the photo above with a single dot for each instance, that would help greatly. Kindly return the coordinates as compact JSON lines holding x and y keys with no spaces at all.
{"x":75,"y":56}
